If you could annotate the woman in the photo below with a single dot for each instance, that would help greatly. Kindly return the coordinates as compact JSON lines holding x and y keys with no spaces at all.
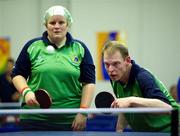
{"x":61,"y":65}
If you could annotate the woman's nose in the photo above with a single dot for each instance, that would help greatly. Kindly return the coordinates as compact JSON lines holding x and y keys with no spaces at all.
{"x":57,"y":25}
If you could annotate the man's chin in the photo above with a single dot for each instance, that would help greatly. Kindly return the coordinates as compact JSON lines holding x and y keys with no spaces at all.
{"x":114,"y":78}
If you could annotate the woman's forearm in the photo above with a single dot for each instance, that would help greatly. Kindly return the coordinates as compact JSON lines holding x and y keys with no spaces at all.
{"x":87,"y":95}
{"x":19,"y":82}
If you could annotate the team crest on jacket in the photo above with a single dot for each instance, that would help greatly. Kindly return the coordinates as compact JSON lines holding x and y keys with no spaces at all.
{"x":76,"y":59}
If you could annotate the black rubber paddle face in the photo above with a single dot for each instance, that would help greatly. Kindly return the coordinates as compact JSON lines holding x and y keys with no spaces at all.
{"x":104,"y":100}
{"x":43,"y":98}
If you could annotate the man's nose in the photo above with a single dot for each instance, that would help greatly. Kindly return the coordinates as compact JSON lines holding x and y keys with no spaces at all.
{"x":111,"y":68}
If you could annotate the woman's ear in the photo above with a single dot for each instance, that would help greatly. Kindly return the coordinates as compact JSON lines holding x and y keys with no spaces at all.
{"x":45,"y":24}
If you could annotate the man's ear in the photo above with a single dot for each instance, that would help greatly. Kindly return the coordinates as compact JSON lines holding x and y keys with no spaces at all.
{"x":128,"y":59}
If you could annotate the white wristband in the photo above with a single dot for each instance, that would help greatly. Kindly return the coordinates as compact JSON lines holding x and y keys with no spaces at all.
{"x":26,"y":91}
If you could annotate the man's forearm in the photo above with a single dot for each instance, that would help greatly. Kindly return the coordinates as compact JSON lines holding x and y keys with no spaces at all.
{"x":121,"y":123}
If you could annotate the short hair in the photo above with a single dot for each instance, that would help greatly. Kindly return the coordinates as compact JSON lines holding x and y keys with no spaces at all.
{"x":112,"y":46}
{"x":58,"y":10}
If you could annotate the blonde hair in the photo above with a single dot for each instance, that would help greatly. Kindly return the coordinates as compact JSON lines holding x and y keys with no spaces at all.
{"x":112,"y":46}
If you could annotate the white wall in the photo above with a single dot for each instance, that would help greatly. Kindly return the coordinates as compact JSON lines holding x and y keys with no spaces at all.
{"x":19,"y":21}
{"x":153,"y":28}
{"x":161,"y":39}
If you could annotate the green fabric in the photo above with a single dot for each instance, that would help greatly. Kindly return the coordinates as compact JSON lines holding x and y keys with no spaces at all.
{"x":145,"y":122}
{"x":57,"y":73}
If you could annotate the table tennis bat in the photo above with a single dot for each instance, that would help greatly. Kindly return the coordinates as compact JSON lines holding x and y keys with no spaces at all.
{"x":43,"y":98}
{"x":104,"y":100}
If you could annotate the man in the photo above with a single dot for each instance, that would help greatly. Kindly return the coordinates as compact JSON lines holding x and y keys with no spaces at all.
{"x":134,"y":86}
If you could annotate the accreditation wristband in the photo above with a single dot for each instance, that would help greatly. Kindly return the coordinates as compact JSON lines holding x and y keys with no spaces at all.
{"x":22,"y":90}
{"x":26,"y":91}
{"x":83,"y":107}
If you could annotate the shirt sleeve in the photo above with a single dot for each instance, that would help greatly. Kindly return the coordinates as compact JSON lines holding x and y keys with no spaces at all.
{"x":149,"y":87}
{"x":23,"y":65}
{"x":87,"y":68}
